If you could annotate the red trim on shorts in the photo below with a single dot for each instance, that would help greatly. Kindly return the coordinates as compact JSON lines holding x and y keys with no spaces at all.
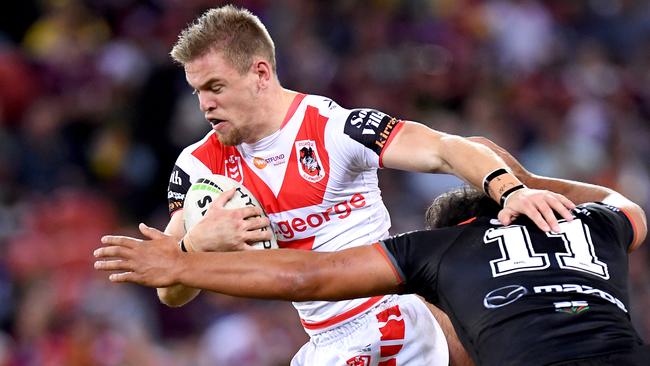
{"x":634,"y":228}
{"x":390,"y":351}
{"x":343,"y":316}
{"x":391,"y":362}
{"x":378,"y":246}
{"x":292,"y":108}
{"x":466,"y":221}
{"x":394,"y":329}
{"x":394,"y":133}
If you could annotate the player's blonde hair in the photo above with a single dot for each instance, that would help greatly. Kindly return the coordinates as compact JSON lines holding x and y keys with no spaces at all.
{"x":235,"y":32}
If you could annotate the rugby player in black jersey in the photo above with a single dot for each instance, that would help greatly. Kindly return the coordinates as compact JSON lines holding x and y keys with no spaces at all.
{"x":515,"y":294}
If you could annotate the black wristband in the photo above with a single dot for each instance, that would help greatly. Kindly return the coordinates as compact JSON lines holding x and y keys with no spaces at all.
{"x":507,"y":193}
{"x":182,"y":245}
{"x":489,"y":177}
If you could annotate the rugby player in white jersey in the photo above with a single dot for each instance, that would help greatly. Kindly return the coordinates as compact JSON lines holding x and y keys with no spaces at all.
{"x":312,"y":165}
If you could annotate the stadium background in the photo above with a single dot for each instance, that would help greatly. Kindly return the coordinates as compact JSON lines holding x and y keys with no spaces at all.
{"x":93,"y":114}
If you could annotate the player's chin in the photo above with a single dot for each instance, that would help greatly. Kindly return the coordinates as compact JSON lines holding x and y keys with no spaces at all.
{"x":230,"y":137}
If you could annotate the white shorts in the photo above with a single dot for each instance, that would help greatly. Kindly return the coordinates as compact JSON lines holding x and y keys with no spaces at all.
{"x":396,"y":332}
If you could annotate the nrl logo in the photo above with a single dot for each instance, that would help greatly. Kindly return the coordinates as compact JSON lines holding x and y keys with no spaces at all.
{"x":309,"y":164}
{"x":233,"y":169}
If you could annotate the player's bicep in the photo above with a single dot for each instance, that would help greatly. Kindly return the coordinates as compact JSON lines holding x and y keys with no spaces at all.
{"x":352,"y":273}
{"x":415,"y":148}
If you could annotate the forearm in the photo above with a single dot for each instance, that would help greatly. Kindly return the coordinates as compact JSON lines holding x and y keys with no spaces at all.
{"x":287,"y":274}
{"x":468,"y":160}
{"x":177,"y":295}
{"x":577,"y":192}
{"x":418,"y":148}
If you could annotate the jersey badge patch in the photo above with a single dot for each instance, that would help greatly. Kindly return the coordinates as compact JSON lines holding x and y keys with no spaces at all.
{"x":233,"y":169}
{"x":358,"y":361}
{"x":309,"y":164}
{"x":571,"y":307}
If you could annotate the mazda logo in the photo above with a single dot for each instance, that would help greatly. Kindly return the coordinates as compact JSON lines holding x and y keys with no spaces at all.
{"x":503,"y":296}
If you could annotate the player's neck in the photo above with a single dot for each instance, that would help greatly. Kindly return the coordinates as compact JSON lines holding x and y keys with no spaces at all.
{"x":276,"y":108}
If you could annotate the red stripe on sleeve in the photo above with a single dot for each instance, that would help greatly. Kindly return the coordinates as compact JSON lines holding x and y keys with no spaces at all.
{"x":379,"y":248}
{"x":394,"y":133}
{"x":634,"y":228}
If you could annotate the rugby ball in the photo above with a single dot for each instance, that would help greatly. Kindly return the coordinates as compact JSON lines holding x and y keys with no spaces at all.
{"x":206,"y":190}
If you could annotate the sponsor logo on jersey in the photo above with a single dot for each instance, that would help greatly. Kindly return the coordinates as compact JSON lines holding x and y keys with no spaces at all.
{"x":309,"y":164}
{"x":360,"y":360}
{"x":287,"y":229}
{"x":571,"y":307}
{"x":173,"y":206}
{"x":503,"y":296}
{"x":175,"y":178}
{"x":261,"y":163}
{"x":179,"y":183}
{"x":175,"y":195}
{"x":370,"y":127}
{"x":234,"y":170}
{"x":581,"y":289}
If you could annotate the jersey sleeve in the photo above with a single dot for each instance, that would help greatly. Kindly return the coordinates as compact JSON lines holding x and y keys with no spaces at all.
{"x":416,"y":257}
{"x":187,"y":170}
{"x":363,"y":134}
{"x":612,"y":220}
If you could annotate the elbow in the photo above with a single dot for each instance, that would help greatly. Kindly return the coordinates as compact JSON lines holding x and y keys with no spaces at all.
{"x":300,"y":285}
{"x":171,"y":303}
{"x":170,"y":298}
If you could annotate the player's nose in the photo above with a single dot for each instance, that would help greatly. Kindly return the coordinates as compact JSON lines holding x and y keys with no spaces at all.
{"x":206,"y":103}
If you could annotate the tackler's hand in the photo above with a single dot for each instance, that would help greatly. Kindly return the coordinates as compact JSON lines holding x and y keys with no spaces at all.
{"x":539,"y":206}
{"x":152,"y":262}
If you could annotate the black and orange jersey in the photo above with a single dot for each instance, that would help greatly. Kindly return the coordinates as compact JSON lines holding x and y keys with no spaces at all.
{"x":519,"y":296}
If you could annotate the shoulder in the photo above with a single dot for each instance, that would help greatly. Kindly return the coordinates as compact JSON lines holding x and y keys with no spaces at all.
{"x":608,"y":220}
{"x":210,"y":140}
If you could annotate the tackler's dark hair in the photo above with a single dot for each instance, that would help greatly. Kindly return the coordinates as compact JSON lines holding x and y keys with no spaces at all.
{"x":458,"y":205}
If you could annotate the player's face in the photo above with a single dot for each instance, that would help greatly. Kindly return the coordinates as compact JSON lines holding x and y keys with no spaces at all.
{"x":227,"y":97}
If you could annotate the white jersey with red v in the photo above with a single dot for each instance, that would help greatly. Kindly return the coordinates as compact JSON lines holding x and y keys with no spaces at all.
{"x":315,"y":178}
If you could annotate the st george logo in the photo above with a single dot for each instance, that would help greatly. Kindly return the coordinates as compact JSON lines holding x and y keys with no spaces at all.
{"x":309,"y":164}
{"x":233,"y":169}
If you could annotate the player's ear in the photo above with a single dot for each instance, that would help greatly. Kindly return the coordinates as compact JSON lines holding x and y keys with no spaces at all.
{"x":264,"y":72}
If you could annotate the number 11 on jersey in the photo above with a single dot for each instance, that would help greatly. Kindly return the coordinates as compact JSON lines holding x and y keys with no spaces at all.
{"x":517,"y":253}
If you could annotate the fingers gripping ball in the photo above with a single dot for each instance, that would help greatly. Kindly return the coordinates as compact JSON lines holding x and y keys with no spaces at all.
{"x":206,"y":190}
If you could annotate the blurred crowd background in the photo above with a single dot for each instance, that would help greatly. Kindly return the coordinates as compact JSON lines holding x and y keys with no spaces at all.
{"x":93,"y":114}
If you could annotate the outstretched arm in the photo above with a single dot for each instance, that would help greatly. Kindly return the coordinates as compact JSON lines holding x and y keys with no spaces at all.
{"x":418,"y":148}
{"x":285,"y":274}
{"x":578,"y":192}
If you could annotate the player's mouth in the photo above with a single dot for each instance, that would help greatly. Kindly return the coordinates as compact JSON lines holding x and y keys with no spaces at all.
{"x":215,"y":121}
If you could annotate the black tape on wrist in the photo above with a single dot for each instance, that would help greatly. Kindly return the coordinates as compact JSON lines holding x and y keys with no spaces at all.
{"x":490,"y":177}
{"x":507,"y":193}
